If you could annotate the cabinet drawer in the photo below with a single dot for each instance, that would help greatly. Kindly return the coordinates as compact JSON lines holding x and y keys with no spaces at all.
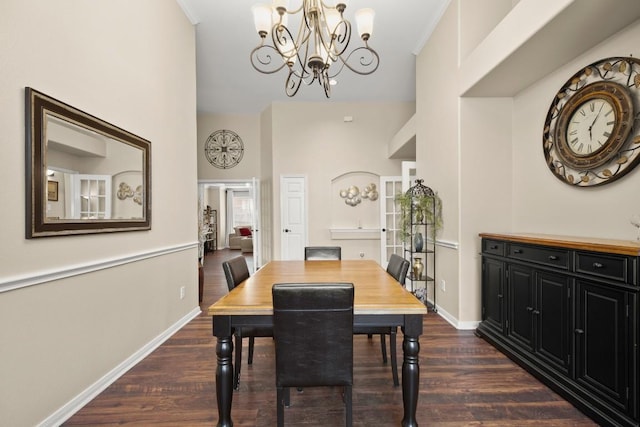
{"x":615,"y":267}
{"x":493,"y":247}
{"x":540,"y":255}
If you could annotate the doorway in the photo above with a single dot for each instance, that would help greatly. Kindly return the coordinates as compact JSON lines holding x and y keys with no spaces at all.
{"x":237,"y":203}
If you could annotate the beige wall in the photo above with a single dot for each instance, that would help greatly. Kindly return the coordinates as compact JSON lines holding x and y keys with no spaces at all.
{"x":484,"y":155}
{"x":248,"y":129}
{"x":542,"y":203}
{"x":74,"y":308}
{"x":312,"y":139}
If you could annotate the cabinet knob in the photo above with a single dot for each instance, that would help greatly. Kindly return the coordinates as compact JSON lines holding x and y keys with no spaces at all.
{"x":597,"y":265}
{"x":499,"y":295}
{"x":517,"y":251}
{"x":552,"y":258}
{"x":384,"y":230}
{"x":529,"y":308}
{"x":493,"y":247}
{"x":579,"y":331}
{"x":536,"y":312}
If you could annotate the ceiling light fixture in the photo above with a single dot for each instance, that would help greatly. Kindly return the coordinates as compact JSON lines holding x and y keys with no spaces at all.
{"x":322,"y":40}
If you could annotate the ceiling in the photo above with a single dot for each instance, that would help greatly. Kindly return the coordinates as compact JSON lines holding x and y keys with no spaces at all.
{"x":227,"y":83}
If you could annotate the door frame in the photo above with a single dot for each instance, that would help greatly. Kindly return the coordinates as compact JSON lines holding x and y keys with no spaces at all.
{"x":250,"y":182}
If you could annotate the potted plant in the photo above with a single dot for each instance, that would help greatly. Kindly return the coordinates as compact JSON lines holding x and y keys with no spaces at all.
{"x":419,"y":204}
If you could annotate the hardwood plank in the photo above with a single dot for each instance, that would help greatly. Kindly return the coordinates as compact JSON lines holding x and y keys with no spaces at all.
{"x":464,"y":382}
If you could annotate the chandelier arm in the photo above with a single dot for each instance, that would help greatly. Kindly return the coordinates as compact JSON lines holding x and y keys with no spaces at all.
{"x":368,"y":65}
{"x":262,"y":60}
{"x":326,"y":83}
{"x":340,"y":39}
{"x":292,"y":84}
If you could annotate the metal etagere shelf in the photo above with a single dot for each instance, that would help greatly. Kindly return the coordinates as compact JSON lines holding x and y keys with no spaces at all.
{"x":420,"y":245}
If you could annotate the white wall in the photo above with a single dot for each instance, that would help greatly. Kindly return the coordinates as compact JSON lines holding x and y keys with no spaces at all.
{"x":73,"y":308}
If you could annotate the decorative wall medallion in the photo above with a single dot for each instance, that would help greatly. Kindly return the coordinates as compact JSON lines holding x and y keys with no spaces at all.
{"x":353,"y":196}
{"x":591,"y":134}
{"x":224,"y":149}
{"x":125,"y":191}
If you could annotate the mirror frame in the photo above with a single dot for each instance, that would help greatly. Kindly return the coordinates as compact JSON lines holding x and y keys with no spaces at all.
{"x":37,"y":105}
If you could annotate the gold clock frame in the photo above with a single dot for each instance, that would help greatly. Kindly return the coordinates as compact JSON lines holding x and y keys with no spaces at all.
{"x":617,"y":81}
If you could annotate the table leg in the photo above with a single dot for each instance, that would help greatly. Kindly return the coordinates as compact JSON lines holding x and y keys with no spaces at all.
{"x":224,"y":373}
{"x":411,"y":369}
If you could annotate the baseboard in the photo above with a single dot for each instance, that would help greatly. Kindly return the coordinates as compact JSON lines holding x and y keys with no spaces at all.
{"x":78,"y":402}
{"x":472,"y":325}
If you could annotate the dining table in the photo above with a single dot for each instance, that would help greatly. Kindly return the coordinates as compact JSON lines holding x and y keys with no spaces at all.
{"x":378,"y":300}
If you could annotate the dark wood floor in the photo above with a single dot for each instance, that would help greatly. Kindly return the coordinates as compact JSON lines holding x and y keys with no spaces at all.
{"x":464,"y":382}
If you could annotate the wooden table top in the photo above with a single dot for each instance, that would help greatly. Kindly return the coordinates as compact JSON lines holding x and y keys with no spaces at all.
{"x":623,"y":247}
{"x":375,"y":291}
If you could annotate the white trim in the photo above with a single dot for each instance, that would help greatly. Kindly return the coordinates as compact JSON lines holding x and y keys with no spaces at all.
{"x":191,"y":16}
{"x":37,"y":278}
{"x":472,"y":325}
{"x":74,"y":405}
{"x":448,"y":244}
{"x":430,"y":26}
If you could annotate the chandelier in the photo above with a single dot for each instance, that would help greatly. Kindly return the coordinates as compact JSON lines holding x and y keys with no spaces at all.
{"x":318,"y":53}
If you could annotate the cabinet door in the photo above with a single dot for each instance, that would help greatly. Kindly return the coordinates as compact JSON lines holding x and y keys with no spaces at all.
{"x":551,"y":318}
{"x":521,"y":305}
{"x":493,"y":274}
{"x":602,"y":338}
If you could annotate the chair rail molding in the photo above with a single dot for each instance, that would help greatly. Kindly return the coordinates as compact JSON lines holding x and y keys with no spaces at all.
{"x":40,"y":277}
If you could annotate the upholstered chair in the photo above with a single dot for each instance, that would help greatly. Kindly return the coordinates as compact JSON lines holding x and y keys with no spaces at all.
{"x":397,"y":268}
{"x":236,"y":272}
{"x":313,"y":331}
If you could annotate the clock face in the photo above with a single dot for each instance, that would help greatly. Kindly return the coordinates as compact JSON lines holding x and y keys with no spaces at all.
{"x":224,"y":149}
{"x":590,"y":126}
{"x":591,"y":134}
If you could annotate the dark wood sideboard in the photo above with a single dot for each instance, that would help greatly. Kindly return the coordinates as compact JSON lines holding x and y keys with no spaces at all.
{"x":566,"y":310}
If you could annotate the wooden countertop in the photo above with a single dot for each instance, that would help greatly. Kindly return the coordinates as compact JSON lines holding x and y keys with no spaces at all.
{"x":623,"y":247}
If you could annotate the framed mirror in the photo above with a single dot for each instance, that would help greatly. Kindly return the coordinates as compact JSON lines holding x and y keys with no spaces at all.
{"x":83,"y":175}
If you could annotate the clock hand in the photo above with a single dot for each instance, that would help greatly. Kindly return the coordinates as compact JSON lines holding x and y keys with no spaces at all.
{"x":594,"y":121}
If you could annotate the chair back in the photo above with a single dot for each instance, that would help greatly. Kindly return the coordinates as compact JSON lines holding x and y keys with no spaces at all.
{"x":398,"y":268}
{"x":313,"y":331}
{"x":235,"y":271}
{"x":313,"y":253}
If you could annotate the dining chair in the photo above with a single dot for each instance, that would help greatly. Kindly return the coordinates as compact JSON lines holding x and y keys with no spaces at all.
{"x":315,"y":253}
{"x":313,"y":331}
{"x":236,"y":272}
{"x":397,"y":268}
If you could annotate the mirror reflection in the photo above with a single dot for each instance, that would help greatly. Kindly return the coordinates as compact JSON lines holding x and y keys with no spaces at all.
{"x":86,"y":176}
{"x":96,"y":177}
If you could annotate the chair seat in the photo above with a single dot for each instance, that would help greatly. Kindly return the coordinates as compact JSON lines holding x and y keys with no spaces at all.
{"x":257,"y":331}
{"x":373,"y":330}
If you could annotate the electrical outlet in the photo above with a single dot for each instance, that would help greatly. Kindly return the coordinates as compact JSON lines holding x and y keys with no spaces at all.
{"x":442,"y":285}
{"x":361,"y":254}
{"x":182,"y":292}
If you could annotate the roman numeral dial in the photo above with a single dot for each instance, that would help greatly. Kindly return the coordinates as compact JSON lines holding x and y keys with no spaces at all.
{"x":590,"y":126}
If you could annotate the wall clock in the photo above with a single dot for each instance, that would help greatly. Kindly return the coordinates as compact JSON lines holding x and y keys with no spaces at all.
{"x":224,"y":149}
{"x":591,"y":133}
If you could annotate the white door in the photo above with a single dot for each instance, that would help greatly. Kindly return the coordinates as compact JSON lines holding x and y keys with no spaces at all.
{"x":390,"y":236}
{"x":92,"y":196}
{"x":293,"y":216}
{"x":257,"y":248}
